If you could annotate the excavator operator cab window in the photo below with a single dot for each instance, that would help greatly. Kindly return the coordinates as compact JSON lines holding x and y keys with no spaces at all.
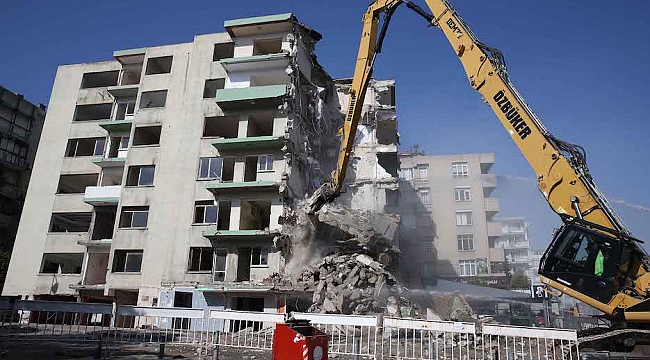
{"x":583,"y":260}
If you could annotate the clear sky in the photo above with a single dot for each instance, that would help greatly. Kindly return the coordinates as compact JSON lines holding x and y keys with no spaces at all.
{"x":581,"y":65}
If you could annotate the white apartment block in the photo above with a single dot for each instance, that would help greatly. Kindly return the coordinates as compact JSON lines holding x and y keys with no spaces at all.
{"x":166,"y":174}
{"x":450,"y":217}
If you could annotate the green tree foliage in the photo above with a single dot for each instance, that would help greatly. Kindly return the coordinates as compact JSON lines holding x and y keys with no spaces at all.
{"x":519,"y":281}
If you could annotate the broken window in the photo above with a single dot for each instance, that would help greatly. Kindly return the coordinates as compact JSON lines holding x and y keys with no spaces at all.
{"x":111,"y":176}
{"x":217,"y":168}
{"x":465,"y":242}
{"x":93,"y":112}
{"x":260,"y":124}
{"x":462,"y":193}
{"x":147,"y":135}
{"x":127,"y":261}
{"x":140,"y":175}
{"x":459,"y":169}
{"x":205,"y":212}
{"x":153,"y":99}
{"x":259,"y":256}
{"x":131,"y":74}
{"x":62,"y":263}
{"x":265,"y":163}
{"x":464,"y":218}
{"x":219,"y":267}
{"x":76,"y":184}
{"x":250,"y":168}
{"x":134,"y":217}
{"x":223,"y":51}
{"x":211,"y":87}
{"x":200,"y":259}
{"x":267,"y":46}
{"x":159,"y":65}
{"x":255,"y":215}
{"x":221,"y":126}
{"x":124,"y":110}
{"x":223,"y":218}
{"x":104,"y":222}
{"x":70,"y":222}
{"x":85,"y":147}
{"x":467,"y":267}
{"x":99,"y":79}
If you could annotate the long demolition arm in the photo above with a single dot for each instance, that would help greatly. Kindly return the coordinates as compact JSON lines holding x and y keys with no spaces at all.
{"x":560,"y":167}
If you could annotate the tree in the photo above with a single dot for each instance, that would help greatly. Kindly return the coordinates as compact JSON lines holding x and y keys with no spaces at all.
{"x":519,"y":280}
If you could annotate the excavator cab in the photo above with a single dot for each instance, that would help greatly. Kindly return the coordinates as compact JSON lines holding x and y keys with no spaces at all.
{"x":585,"y":260}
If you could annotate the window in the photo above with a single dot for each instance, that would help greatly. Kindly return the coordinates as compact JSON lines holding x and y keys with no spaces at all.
{"x":93,"y":112}
{"x":219,"y":267}
{"x":423,"y":172}
{"x":428,"y":246}
{"x":76,"y":184}
{"x":464,"y":218}
{"x":211,"y":87}
{"x":223,"y":51}
{"x":267,"y":46}
{"x":147,"y":135}
{"x":153,"y":99}
{"x":407,"y":174}
{"x":259,"y":256}
{"x":85,"y":147}
{"x":99,"y":79}
{"x":70,"y":222}
{"x":205,"y":212}
{"x":61,"y":263}
{"x":140,"y":175}
{"x":159,"y":65}
{"x":124,"y":110}
{"x":260,"y":124}
{"x":221,"y":126}
{"x":134,"y":217}
{"x":200,"y":259}
{"x":459,"y":169}
{"x":467,"y":267}
{"x":127,"y":261}
{"x":265,"y":163}
{"x":465,"y":242}
{"x":424,"y":195}
{"x":462,"y":194}
{"x":210,"y":168}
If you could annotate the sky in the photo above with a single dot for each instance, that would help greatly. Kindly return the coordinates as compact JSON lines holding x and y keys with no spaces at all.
{"x":580,"y":65}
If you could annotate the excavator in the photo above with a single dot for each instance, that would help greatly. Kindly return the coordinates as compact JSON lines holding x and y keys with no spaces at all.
{"x":593,"y":257}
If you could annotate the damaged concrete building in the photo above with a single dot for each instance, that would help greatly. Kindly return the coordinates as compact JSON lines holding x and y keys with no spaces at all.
{"x":170,"y":173}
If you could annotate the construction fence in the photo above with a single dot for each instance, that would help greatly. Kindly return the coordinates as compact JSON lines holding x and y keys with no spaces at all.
{"x":350,"y":336}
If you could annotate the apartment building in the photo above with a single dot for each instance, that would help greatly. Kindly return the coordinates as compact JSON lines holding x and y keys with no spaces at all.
{"x":21,"y":123}
{"x":516,"y":245}
{"x":451,"y":213}
{"x":170,"y":172}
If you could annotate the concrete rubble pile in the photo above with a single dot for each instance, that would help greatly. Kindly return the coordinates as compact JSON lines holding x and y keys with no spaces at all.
{"x":354,"y":284}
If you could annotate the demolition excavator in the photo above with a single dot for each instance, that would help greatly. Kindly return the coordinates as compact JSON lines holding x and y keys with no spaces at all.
{"x":593,"y":257}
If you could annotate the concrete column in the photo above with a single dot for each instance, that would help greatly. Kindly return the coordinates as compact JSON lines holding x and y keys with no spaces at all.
{"x":235,"y":213}
{"x":239,"y":169}
{"x":243,"y":126}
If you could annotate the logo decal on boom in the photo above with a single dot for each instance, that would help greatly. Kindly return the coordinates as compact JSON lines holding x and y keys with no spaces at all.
{"x":512,"y":114}
{"x":455,"y":29}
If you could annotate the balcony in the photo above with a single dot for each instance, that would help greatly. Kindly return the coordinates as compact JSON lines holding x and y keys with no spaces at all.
{"x":218,"y":186}
{"x":486,"y":161}
{"x":116,"y":125}
{"x":491,"y":206}
{"x":493,"y":229}
{"x":258,"y":96}
{"x":259,"y":25}
{"x":102,"y":195}
{"x":517,"y":259}
{"x":489,"y":180}
{"x":240,"y":235}
{"x":248,"y":143}
{"x":109,"y":162}
{"x":510,"y":245}
{"x":255,"y":62}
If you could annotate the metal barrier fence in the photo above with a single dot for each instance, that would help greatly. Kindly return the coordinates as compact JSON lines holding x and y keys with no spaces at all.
{"x":375,"y":337}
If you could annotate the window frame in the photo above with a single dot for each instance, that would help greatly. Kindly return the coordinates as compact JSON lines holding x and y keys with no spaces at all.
{"x":128,"y":253}
{"x":462,"y":193}
{"x":424,"y":191}
{"x":201,"y":250}
{"x":215,"y":257}
{"x":133,"y":210}
{"x":423,"y":172}
{"x":204,"y":205}
{"x":140,"y":168}
{"x":465,"y":242}
{"x":263,"y":255}
{"x":266,"y":163}
{"x":459,"y":169}
{"x":209,"y":160}
{"x":469,"y":219}
{"x":467,"y":264}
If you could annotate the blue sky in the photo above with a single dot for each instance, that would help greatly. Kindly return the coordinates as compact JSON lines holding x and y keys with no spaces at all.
{"x":580,"y":65}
